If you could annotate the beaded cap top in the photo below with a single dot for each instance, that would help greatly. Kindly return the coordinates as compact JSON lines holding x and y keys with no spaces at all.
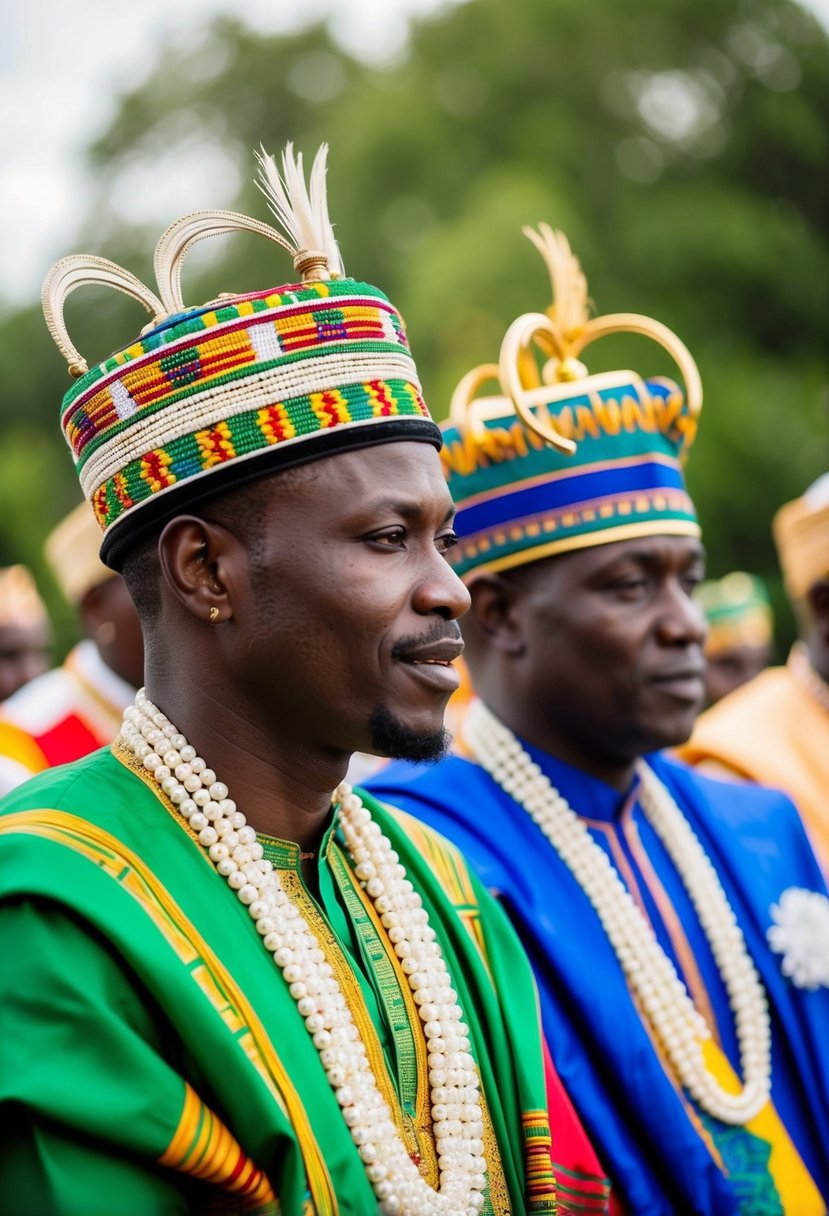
{"x":558,"y":459}
{"x":214,"y":396}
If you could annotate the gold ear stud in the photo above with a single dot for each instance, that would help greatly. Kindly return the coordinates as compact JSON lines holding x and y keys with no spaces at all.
{"x":214,"y":614}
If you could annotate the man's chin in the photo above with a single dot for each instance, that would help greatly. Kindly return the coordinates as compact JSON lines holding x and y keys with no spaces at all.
{"x":670,"y":732}
{"x":393,"y":738}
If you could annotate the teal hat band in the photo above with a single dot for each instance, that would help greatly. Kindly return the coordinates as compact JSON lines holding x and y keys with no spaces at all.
{"x":563,"y":460}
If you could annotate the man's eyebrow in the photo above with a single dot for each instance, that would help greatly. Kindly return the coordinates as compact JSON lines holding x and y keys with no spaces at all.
{"x":409,"y":508}
{"x":649,"y":557}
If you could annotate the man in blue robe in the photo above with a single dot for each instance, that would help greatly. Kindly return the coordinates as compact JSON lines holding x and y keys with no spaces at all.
{"x":678,"y":926}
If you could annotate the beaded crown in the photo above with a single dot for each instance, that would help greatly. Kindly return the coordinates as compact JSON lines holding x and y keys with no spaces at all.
{"x":560,"y":459}
{"x":216,"y":395}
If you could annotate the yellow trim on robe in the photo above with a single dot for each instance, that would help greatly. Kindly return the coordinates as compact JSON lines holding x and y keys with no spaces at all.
{"x":797,"y":1191}
{"x":114,"y":857}
{"x":203,"y":1147}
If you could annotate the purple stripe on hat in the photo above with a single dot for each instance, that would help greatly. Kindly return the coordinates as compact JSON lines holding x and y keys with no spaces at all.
{"x":564,"y":492}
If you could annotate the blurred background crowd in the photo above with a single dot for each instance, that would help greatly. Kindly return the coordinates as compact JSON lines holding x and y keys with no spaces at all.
{"x":681,"y":145}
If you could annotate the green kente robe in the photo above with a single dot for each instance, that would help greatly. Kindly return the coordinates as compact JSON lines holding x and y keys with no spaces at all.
{"x":152,"y":1060}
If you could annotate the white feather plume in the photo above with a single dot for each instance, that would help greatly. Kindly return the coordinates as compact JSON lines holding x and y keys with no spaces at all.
{"x":301,"y":212}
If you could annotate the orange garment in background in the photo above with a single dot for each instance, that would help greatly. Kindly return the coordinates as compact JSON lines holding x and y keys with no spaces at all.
{"x":774,"y":731}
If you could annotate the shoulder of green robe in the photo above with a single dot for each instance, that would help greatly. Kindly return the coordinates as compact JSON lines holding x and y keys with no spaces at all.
{"x":94,"y":808}
{"x":78,"y":786}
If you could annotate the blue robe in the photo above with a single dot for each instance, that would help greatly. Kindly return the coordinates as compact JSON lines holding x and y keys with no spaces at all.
{"x":644,"y":1128}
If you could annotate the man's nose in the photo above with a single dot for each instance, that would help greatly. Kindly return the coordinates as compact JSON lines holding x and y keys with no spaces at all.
{"x":441,"y":591}
{"x":682,"y":621}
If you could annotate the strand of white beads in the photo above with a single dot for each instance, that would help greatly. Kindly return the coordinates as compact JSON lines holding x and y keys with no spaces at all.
{"x":232,"y":846}
{"x":678,"y":1026}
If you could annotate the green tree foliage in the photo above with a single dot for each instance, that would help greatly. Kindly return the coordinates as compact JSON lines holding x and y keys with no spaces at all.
{"x":681,"y":145}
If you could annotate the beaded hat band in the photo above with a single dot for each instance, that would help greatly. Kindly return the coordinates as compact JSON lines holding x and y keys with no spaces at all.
{"x":215,"y":396}
{"x":559,"y":459}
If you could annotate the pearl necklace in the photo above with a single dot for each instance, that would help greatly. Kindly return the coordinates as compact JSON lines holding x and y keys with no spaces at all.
{"x":650,"y":973}
{"x":202,"y":800}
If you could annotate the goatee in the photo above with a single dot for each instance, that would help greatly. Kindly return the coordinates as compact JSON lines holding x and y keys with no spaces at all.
{"x":391,"y":737}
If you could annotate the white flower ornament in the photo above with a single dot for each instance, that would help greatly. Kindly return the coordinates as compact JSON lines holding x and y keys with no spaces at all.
{"x":801,"y":934}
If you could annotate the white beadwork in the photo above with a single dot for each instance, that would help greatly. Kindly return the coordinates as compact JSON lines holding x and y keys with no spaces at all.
{"x":652,"y":976}
{"x":238,"y":856}
{"x":210,"y":402}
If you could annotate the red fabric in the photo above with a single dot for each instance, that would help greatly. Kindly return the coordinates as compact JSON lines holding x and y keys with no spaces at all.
{"x":582,"y":1183}
{"x":69,"y":740}
{"x":615,"y":1208}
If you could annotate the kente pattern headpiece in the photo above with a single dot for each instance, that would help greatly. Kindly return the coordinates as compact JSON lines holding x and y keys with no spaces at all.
{"x":560,"y":459}
{"x":214,"y":396}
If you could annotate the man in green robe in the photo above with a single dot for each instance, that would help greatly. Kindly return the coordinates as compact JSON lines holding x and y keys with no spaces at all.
{"x":226,"y":988}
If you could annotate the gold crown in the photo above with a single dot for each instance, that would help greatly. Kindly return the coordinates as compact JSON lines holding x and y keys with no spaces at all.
{"x":560,"y":333}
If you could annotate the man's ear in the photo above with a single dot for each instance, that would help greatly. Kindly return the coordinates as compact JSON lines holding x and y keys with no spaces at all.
{"x":90,"y":608}
{"x":496,"y":614}
{"x":196,"y":557}
{"x":818,"y":597}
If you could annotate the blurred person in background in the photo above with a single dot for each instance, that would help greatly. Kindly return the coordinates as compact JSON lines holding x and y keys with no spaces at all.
{"x":25,"y":633}
{"x":740,"y":631}
{"x":775,"y":730}
{"x":70,"y":711}
{"x":654,"y":902}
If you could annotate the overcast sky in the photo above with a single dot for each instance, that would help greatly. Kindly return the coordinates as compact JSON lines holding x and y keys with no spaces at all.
{"x":62,"y":65}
